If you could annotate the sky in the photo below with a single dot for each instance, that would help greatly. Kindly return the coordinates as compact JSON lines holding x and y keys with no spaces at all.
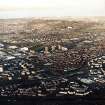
{"x":51,"y":8}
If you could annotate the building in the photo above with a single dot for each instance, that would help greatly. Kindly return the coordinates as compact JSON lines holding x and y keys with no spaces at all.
{"x":59,"y":47}
{"x":53,"y":48}
{"x":46,"y":50}
{"x":1,"y":68}
{"x":24,"y":49}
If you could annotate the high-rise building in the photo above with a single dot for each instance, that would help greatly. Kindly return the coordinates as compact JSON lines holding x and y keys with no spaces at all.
{"x":53,"y":48}
{"x":59,"y":47}
{"x":1,"y":68}
{"x":46,"y":50}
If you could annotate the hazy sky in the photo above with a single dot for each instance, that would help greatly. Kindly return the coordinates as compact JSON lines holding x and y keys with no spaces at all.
{"x":46,"y":8}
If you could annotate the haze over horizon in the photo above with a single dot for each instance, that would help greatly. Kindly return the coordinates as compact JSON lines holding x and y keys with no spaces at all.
{"x":51,"y":8}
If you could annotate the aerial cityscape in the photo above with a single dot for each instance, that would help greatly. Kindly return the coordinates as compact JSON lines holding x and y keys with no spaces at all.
{"x":52,"y":52}
{"x":52,"y":57}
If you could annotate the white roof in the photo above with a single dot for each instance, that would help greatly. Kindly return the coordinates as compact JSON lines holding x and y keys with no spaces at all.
{"x":13,"y":47}
{"x":69,"y":27}
{"x":85,"y":80}
{"x":74,"y":39}
{"x":87,"y":41}
{"x":10,"y":57}
{"x":24,"y":49}
{"x":64,"y":49}
{"x":1,"y":45}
